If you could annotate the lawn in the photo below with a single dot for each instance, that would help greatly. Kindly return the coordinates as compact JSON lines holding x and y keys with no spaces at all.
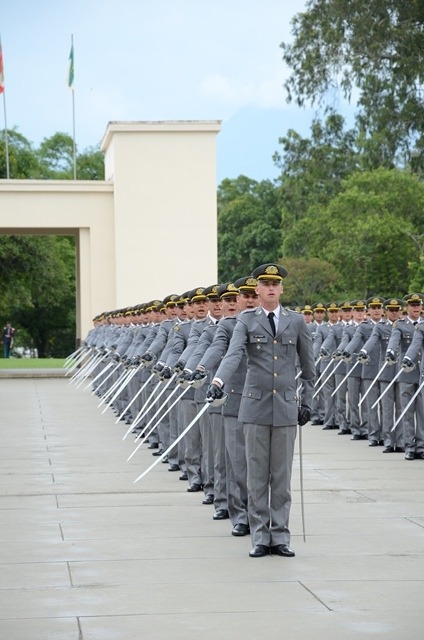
{"x":31,"y":363}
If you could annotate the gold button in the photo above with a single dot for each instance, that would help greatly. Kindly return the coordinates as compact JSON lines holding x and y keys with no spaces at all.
{"x":275,"y":357}
{"x":275,"y":375}
{"x":274,"y":342}
{"x":274,"y":391}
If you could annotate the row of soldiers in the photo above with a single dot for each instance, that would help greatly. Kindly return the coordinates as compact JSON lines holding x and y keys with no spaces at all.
{"x":179,"y":342}
{"x":173,"y":346}
{"x":369,"y":363}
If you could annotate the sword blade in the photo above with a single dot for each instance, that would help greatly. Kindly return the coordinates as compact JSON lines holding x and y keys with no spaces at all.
{"x":176,"y":441}
{"x":323,"y":372}
{"x":136,"y":395}
{"x":99,"y":375}
{"x":345,"y":378}
{"x":418,"y":391}
{"x":372,"y":383}
{"x":387,"y":388}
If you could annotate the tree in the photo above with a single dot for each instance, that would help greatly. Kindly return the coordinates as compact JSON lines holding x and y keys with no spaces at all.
{"x":249,"y":226}
{"x":312,"y":170}
{"x":37,"y":273}
{"x":373,"y":46}
{"x":23,"y":160}
{"x":371,"y":231}
{"x":37,"y":276}
{"x":310,"y":280}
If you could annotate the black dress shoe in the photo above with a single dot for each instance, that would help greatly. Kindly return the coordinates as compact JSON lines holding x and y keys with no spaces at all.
{"x":208,"y":499}
{"x":419,"y":456}
{"x":165,"y":460}
{"x":381,"y":443}
{"x":173,"y":467}
{"x":344,"y":432}
{"x":193,"y":488}
{"x":328,"y":427}
{"x":388,"y":450}
{"x":153,"y":445}
{"x":240,"y":530}
{"x":258,"y":551}
{"x":183,"y":476}
{"x":356,"y":437}
{"x":282,"y":550}
{"x":400,"y":449}
{"x":373,"y":443}
{"x":363,"y":436}
{"x":158,"y":452}
{"x":410,"y":455}
{"x":316,"y":423}
{"x":221,"y":514}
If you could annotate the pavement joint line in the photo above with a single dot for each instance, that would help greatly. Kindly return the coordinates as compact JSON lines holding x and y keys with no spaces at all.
{"x":80,"y":633}
{"x":409,"y":519}
{"x":61,"y":531}
{"x":69,"y":573}
{"x":363,"y":495}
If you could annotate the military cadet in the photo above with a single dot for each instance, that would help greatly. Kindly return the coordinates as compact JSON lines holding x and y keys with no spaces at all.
{"x":272,"y":336}
{"x":232,"y":445}
{"x":390,"y":402}
{"x":330,"y":418}
{"x":328,"y":348}
{"x":412,"y":356}
{"x":357,"y":414}
{"x":399,"y":343}
{"x":370,"y":366}
{"x":318,"y":406}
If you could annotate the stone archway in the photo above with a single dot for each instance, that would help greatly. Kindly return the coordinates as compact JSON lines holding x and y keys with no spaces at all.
{"x":146,"y":231}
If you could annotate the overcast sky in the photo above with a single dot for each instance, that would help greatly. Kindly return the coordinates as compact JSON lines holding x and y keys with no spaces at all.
{"x":154,"y":60}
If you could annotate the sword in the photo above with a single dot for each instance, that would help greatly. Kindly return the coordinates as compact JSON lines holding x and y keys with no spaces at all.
{"x":322,"y":374}
{"x":156,"y":424}
{"x":345,"y":378}
{"x":88,"y":360}
{"x":123,"y":379}
{"x":85,"y":371}
{"x":318,"y":360}
{"x":78,"y":361}
{"x":387,"y":388}
{"x":327,"y":379}
{"x":136,"y":395}
{"x":407,"y":406}
{"x":156,"y":414}
{"x":176,"y":441}
{"x":111,"y":389}
{"x":372,"y":383}
{"x":99,"y":375}
{"x":140,"y":417}
{"x":73,"y":355}
{"x":302,"y":503}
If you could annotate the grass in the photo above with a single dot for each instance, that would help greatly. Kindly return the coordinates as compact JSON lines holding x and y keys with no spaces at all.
{"x":31,"y":363}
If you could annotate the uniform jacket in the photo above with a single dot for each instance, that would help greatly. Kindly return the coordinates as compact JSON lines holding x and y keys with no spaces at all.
{"x":270,"y":390}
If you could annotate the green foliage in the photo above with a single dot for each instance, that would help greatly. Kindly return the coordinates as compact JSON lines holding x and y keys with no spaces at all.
{"x":371,"y":231}
{"x":249,"y":226}
{"x":374,"y":47}
{"x":307,"y":280}
{"x":37,"y":273}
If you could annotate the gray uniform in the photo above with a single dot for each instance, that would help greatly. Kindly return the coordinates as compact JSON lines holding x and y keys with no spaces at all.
{"x":268,"y":411}
{"x":390,"y":403}
{"x":400,"y":343}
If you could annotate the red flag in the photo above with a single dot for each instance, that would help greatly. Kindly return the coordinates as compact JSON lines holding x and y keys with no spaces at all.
{"x":1,"y":70}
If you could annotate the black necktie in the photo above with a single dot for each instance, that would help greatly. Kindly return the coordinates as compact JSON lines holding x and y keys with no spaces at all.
{"x":271,"y":316}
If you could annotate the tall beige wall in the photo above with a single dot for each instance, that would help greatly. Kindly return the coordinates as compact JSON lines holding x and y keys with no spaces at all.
{"x":164,"y":176}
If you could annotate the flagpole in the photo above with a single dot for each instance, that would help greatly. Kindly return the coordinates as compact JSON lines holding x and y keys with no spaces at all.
{"x":3,"y":91}
{"x":6,"y":137}
{"x":71,"y":86}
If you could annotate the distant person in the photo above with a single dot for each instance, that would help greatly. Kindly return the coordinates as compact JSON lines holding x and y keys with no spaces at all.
{"x":7,"y":338}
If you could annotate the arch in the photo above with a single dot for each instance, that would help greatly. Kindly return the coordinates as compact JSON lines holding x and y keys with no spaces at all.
{"x":148,"y":230}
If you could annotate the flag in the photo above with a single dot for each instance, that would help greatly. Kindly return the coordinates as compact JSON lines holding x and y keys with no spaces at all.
{"x":71,"y":68}
{"x":1,"y":70}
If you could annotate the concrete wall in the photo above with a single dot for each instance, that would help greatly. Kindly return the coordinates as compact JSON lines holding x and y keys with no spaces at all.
{"x":164,"y":176}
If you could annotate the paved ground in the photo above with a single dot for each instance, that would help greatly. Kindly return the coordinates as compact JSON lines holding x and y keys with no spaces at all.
{"x":87,"y":555}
